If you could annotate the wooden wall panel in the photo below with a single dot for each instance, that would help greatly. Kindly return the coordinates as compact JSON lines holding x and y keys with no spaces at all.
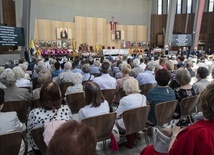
{"x":36,"y":31}
{"x":101,"y":31}
{"x":207,"y":22}
{"x":91,"y":30}
{"x":109,"y":42}
{"x":206,"y":33}
{"x":141,"y":33}
{"x":190,"y":23}
{"x":180,"y":22}
{"x":9,"y":12}
{"x":80,"y":25}
{"x":9,"y":18}
{"x":158,"y":22}
{"x":131,"y":32}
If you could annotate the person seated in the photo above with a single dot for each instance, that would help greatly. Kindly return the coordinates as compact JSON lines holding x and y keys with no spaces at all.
{"x":183,"y":78}
{"x":52,"y":63}
{"x":119,"y":74}
{"x":163,"y":62}
{"x":95,"y":102}
{"x":93,"y":68}
{"x":86,"y":73}
{"x":72,"y":133}
{"x":50,"y":100}
{"x":20,"y":77}
{"x":24,"y":68}
{"x":77,"y":87}
{"x":12,"y":92}
{"x":137,"y":69}
{"x":38,"y":67}
{"x":194,"y":139}
{"x":202,"y":82}
{"x":157,"y":67}
{"x":133,"y":100}
{"x":189,"y":66}
{"x":125,"y":69}
{"x":76,"y":67}
{"x":161,"y":93}
{"x":105,"y":81}
{"x":57,"y":70}
{"x":115,"y":67}
{"x":147,"y":76}
{"x":44,"y":76}
{"x":170,"y":69}
{"x":10,"y":122}
{"x":67,"y":75}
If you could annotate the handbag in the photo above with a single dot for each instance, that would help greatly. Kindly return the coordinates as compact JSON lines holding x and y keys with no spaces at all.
{"x":161,"y":141}
{"x":50,"y":128}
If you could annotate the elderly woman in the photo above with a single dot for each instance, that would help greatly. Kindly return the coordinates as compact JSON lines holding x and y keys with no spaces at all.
{"x":195,"y":139}
{"x":95,"y":102}
{"x":133,"y":100}
{"x":125,"y":69}
{"x":44,"y":76}
{"x":137,"y":69}
{"x":161,"y":93}
{"x":183,"y":78}
{"x":20,"y":77}
{"x":86,"y":73}
{"x":77,"y":87}
{"x":12,"y":92}
{"x":24,"y":68}
{"x":50,"y":100}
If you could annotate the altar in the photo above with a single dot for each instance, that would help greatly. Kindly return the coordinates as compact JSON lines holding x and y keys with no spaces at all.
{"x":115,"y":52}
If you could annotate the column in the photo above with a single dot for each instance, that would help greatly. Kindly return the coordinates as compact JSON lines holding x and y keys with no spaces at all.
{"x":197,"y":22}
{"x":170,"y":22}
{"x":1,"y":12}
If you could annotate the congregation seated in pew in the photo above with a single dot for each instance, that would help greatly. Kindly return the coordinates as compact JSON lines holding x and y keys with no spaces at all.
{"x":12,"y":92}
{"x":51,"y":108}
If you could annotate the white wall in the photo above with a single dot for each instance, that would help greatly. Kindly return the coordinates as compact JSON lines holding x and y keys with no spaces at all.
{"x":136,"y":12}
{"x":126,"y":12}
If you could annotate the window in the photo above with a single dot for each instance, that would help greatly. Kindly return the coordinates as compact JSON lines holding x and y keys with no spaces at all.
{"x":179,"y":7}
{"x":211,"y":5}
{"x":160,"y":4}
{"x":189,"y":6}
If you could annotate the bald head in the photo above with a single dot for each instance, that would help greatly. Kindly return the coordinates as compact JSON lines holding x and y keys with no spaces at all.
{"x":68,"y":66}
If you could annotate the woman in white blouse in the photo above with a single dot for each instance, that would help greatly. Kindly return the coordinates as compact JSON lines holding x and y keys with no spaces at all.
{"x":133,"y":100}
{"x":95,"y":102}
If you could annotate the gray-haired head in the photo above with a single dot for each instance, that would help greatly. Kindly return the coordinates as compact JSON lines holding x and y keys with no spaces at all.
{"x":7,"y":78}
{"x":149,"y":66}
{"x":19,"y":73}
{"x":136,"y":62}
{"x":68,"y":66}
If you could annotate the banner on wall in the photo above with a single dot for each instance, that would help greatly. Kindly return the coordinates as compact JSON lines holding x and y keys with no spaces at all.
{"x":12,"y":36}
{"x":181,"y":40}
{"x":63,"y":33}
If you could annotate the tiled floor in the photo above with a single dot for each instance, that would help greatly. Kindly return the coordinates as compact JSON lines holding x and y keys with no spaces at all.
{"x":124,"y":150}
